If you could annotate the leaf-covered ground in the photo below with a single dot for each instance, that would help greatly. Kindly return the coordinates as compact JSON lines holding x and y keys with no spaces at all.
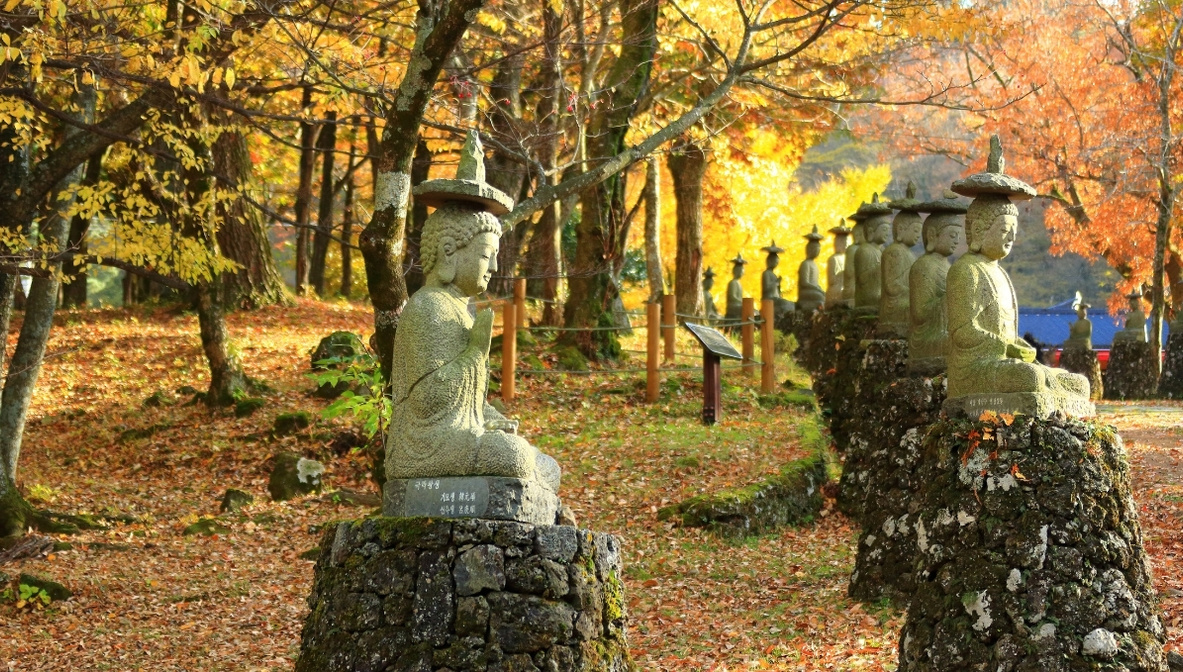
{"x":147,"y":597}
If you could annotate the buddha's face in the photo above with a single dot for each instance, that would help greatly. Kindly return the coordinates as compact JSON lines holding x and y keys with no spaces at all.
{"x":1081,"y":312}
{"x":476,"y":262}
{"x":910,"y":232}
{"x":998,"y":240}
{"x":812,"y":249}
{"x":839,"y":244}
{"x":737,"y":271}
{"x":878,"y":232}
{"x":708,"y":281}
{"x":773,"y":261}
{"x":947,"y":240}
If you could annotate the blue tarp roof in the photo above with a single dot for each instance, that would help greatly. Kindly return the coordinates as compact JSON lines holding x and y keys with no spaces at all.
{"x":1050,"y":325}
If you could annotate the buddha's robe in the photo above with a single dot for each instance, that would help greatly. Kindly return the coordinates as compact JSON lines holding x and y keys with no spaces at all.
{"x":809,"y":292}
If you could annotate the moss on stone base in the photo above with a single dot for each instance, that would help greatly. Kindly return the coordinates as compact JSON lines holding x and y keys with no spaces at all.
{"x":791,"y":497}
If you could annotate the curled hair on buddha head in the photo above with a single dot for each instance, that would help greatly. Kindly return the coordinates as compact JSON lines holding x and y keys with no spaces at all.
{"x":981,"y":214}
{"x":450,"y":228}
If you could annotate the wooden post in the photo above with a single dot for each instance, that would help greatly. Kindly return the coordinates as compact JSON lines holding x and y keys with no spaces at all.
{"x":748,"y":330}
{"x":519,"y":302}
{"x":767,"y":347}
{"x":670,"y":323}
{"x":509,"y":351}
{"x":652,"y":377}
{"x":712,"y":388}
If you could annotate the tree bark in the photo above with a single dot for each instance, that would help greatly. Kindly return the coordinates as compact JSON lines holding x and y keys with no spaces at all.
{"x":546,"y":250}
{"x":41,"y":303}
{"x":74,"y":288}
{"x":599,"y":239}
{"x":308,"y":131}
{"x":438,"y":29}
{"x":503,"y":171}
{"x":652,"y":196}
{"x":413,"y":270}
{"x":347,"y":236}
{"x":327,"y":143}
{"x":242,"y":236}
{"x":687,"y":163}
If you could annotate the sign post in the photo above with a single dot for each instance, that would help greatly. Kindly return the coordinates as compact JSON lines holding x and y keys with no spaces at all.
{"x":714,"y":347}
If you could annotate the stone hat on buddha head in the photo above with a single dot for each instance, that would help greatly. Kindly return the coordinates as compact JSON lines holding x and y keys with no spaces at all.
{"x":709,"y":273}
{"x":842,"y":230}
{"x":871,"y":210}
{"x":814,"y":235}
{"x":739,"y":260}
{"x":994,"y":193}
{"x":772,"y":248}
{"x":469,"y":185}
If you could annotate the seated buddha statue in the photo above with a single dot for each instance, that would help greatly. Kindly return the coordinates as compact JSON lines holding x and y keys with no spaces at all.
{"x":441,"y":424}
{"x":735,"y":291}
{"x":895,"y":264}
{"x":858,"y":232}
{"x":770,"y":282}
{"x":990,"y":368}
{"x":810,"y":296}
{"x":1080,"y":332}
{"x":836,"y":265}
{"x":927,"y":333}
{"x":708,"y":301}
{"x":1135,"y":321}
{"x":875,"y":218}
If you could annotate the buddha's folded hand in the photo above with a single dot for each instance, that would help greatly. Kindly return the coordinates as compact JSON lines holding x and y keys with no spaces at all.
{"x":482,"y":331}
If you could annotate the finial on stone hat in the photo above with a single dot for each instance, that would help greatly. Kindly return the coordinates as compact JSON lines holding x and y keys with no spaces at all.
{"x":995,"y":163}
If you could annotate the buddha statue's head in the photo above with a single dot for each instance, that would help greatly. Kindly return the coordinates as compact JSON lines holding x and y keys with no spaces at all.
{"x":708,"y":279}
{"x":942,"y":233}
{"x":877,"y":228}
{"x":860,"y":233}
{"x":737,"y":265}
{"x":991,"y":223}
{"x":1082,"y":311}
{"x":812,"y":249}
{"x":906,"y":227}
{"x":459,"y":247}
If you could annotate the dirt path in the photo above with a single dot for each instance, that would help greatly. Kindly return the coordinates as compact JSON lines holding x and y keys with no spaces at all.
{"x":1153,"y":434}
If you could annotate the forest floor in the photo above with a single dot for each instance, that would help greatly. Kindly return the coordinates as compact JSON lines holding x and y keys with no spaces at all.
{"x":148,"y":597}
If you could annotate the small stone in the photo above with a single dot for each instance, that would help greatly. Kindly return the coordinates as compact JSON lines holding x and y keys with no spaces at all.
{"x":478,"y":569}
{"x":556,"y":542}
{"x":566,"y":517}
{"x":234,"y":500}
{"x":537,"y":576}
{"x":206,"y":527}
{"x":472,"y":616}
{"x":290,"y":423}
{"x":247,"y":406}
{"x":528,"y":623}
{"x":432,"y":611}
{"x":1100,"y":643}
{"x":53,"y":589}
{"x":293,"y":476}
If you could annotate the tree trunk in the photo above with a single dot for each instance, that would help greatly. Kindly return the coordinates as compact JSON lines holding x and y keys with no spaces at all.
{"x":413,"y":270}
{"x":599,"y":239}
{"x":226,"y":380}
{"x":1174,"y":271}
{"x":41,"y":303}
{"x":308,"y":132}
{"x":382,"y":240}
{"x":546,"y":243}
{"x":652,"y":196}
{"x":327,"y":143}
{"x":242,"y":236}
{"x":503,"y":171}
{"x":347,"y":237}
{"x":74,"y":288}
{"x":687,"y":163}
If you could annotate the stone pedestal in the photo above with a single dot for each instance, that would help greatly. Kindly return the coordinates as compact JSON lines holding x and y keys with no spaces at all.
{"x":833,"y":360}
{"x":1029,"y":553}
{"x":873,"y":399}
{"x":798,"y":323}
{"x":1131,"y":373}
{"x":1170,"y":385}
{"x":887,"y":545}
{"x":1084,"y":361}
{"x":422,"y":595}
{"x":491,"y":497}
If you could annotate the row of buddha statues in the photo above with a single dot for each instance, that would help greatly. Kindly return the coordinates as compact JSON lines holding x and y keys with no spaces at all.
{"x":962,"y":317}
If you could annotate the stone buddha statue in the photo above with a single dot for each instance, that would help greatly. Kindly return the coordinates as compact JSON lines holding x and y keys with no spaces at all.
{"x":896,"y":263}
{"x":441,"y":425}
{"x":770,"y":281}
{"x":927,"y":333}
{"x":735,"y":290}
{"x":708,"y":302}
{"x":1135,"y":321}
{"x":836,"y":265}
{"x":810,"y":296}
{"x":859,"y":233}
{"x":1080,"y":332}
{"x":990,"y":367}
{"x":875,"y":217}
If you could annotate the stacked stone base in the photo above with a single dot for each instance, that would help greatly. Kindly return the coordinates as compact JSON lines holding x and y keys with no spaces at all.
{"x":421,"y":595}
{"x":887,"y":545}
{"x":833,"y":359}
{"x":1132,"y":372}
{"x":1170,"y":385}
{"x":798,"y":323}
{"x":1084,"y":361}
{"x":876,"y":396}
{"x":1029,"y":553}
